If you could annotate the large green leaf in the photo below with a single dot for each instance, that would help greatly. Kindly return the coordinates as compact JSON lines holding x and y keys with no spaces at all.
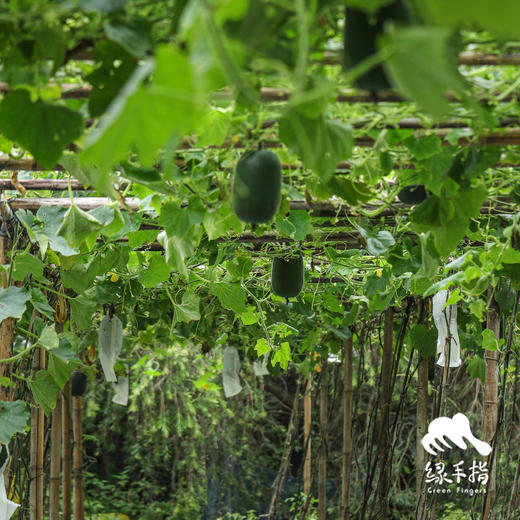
{"x":77,"y":225}
{"x":13,"y":419}
{"x":230,"y":295}
{"x":422,"y":64}
{"x":320,"y":143}
{"x":39,"y":127}
{"x":156,"y":272}
{"x":148,"y":116}
{"x":188,"y":309}
{"x":499,"y":17}
{"x":44,"y":390}
{"x":82,"y":308}
{"x":49,"y":338}
{"x":219,"y":222}
{"x":12,"y":302}
{"x":448,"y":218}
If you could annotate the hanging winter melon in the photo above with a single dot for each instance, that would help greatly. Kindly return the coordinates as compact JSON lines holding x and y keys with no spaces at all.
{"x":257,"y":187}
{"x":413,"y":194}
{"x":287,"y":276}
{"x":360,"y":41}
{"x":78,"y":383}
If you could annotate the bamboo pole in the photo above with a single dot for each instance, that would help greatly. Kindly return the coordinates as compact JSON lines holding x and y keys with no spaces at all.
{"x":422,"y":417}
{"x":491,"y":400}
{"x":386,"y":371}
{"x":347,"y":428}
{"x":7,"y":327}
{"x":40,"y":468}
{"x":66,"y":451}
{"x":54,"y":492}
{"x":322,"y":465}
{"x":307,"y":436}
{"x":79,"y":505}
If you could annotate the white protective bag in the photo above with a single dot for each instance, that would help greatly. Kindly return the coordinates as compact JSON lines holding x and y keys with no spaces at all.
{"x":445,"y":320}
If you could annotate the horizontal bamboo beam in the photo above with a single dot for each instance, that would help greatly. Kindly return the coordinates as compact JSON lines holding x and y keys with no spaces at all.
{"x":471,"y":58}
{"x":278,"y":94}
{"x":319,"y":209}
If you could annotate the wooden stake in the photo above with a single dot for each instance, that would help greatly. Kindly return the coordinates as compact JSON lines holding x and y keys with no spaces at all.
{"x":491,"y":399}
{"x":40,"y":469}
{"x":7,"y":327}
{"x":54,"y":494}
{"x":386,"y":372}
{"x":307,"y":436}
{"x":79,"y":506}
{"x":347,"y":428}
{"x":422,"y":413}
{"x":322,"y":466}
{"x":66,"y":450}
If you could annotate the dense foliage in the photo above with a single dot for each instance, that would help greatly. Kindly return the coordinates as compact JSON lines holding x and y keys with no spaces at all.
{"x":152,"y":104}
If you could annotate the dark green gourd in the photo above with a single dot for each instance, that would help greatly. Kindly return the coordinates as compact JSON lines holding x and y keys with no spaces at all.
{"x":78,"y":383}
{"x":360,"y":41}
{"x":287,"y":276}
{"x":413,"y":194}
{"x":257,"y":187}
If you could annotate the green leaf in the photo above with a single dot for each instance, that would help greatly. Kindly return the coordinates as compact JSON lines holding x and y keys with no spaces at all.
{"x":156,"y":272}
{"x":477,"y":368}
{"x":82,"y":308}
{"x":353,"y":192}
{"x":448,"y":218}
{"x":369,"y":6}
{"x":297,"y":225}
{"x":423,"y":340}
{"x":49,"y":338}
{"x":116,"y":67}
{"x":282,"y":355}
{"x":230,"y":295}
{"x":501,"y":18}
{"x":134,"y":36}
{"x":489,"y":342}
{"x":77,"y":225}
{"x":41,"y":128}
{"x":103,"y":6}
{"x":423,"y":147}
{"x":13,"y":419}
{"x":27,"y":264}
{"x":44,"y":390}
{"x":422,"y":65}
{"x":249,"y":317}
{"x":223,"y":220}
{"x":148,"y":116}
{"x":12,"y":302}
{"x":177,"y":249}
{"x":59,"y":369}
{"x":262,"y":347}
{"x":320,"y":143}
{"x":331,"y":303}
{"x":75,"y":278}
{"x":445,"y":283}
{"x":40,"y":303}
{"x":188,"y":310}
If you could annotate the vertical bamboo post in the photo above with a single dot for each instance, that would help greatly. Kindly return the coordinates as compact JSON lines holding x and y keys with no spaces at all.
{"x":66,"y":451}
{"x":37,"y":449}
{"x":322,"y":467}
{"x":7,"y":326}
{"x":40,"y":469}
{"x":347,"y":428}
{"x":491,"y":398}
{"x":386,"y":371}
{"x":54,"y":493}
{"x":79,"y":506}
{"x":422,"y":412}
{"x":307,"y":420}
